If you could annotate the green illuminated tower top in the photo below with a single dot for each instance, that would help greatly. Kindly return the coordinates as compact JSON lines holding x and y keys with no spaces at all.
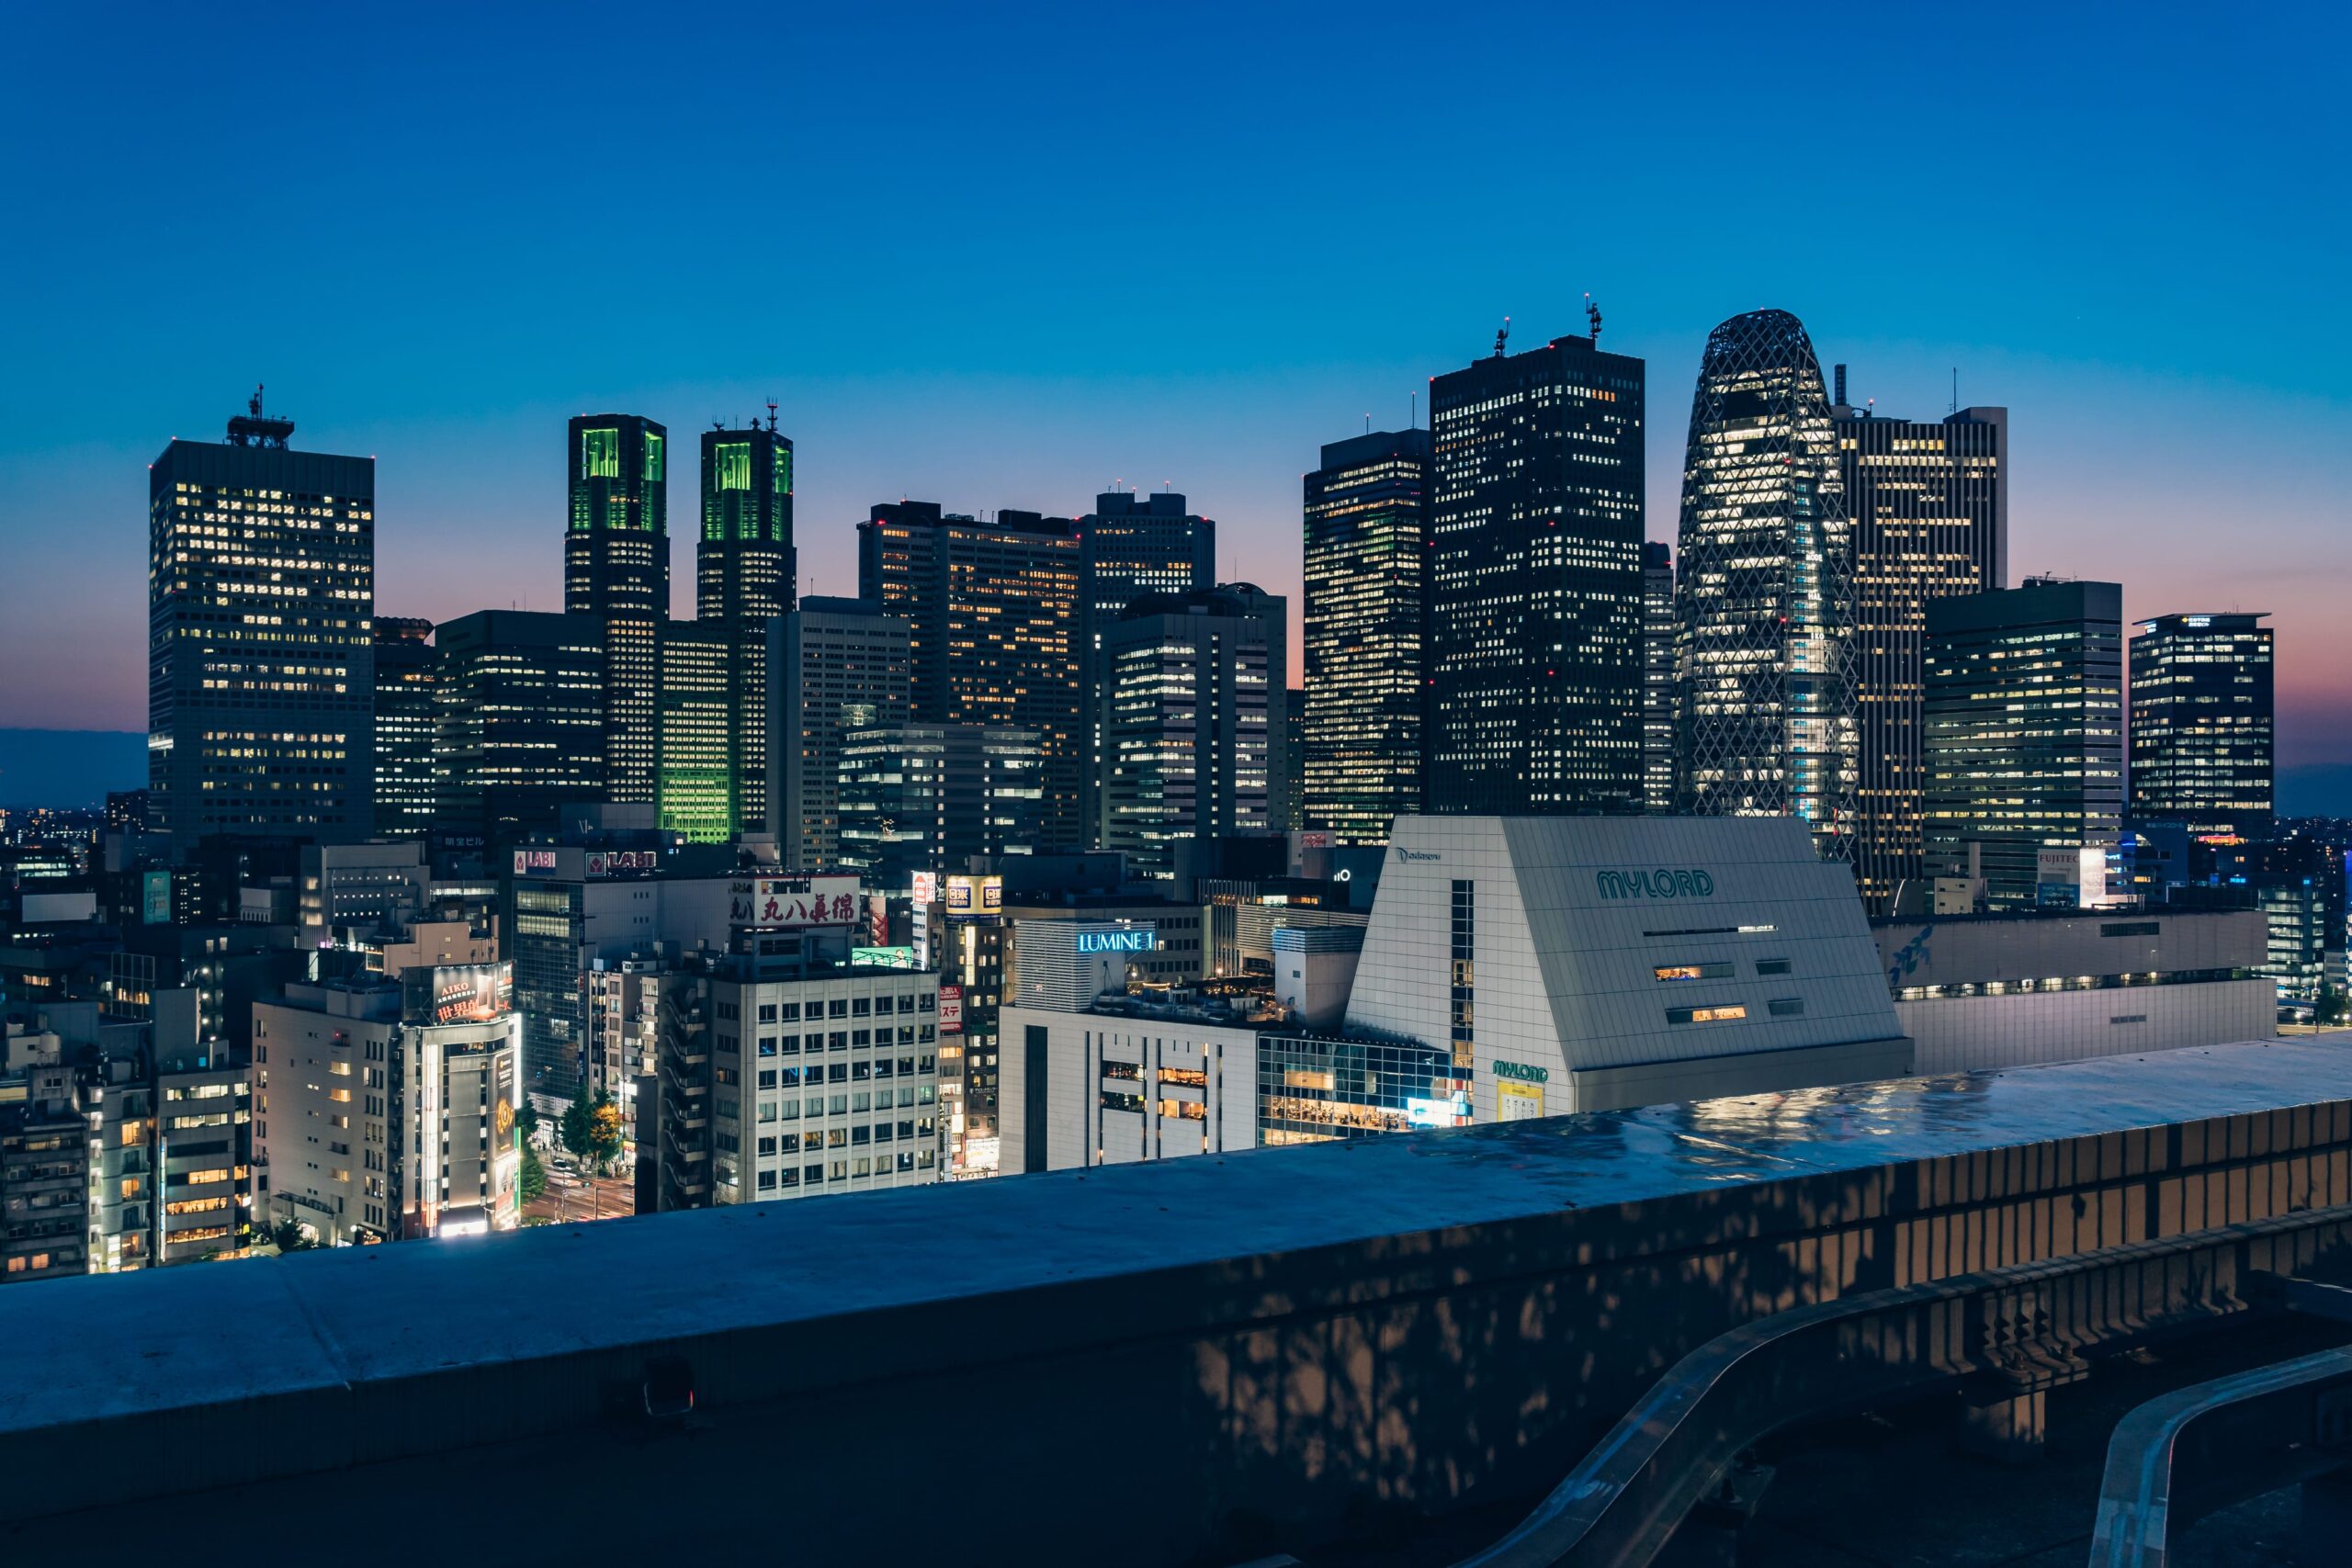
{"x":617,"y":568}
{"x":744,"y":566}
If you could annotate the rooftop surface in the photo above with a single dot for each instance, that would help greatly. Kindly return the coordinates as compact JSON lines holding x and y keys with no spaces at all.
{"x":319,"y":1328}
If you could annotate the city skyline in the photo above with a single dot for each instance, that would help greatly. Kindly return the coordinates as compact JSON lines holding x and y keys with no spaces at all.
{"x":1039,"y":382}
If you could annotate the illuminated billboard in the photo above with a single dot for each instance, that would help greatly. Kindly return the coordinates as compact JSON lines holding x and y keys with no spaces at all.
{"x":464,"y":992}
{"x":975,"y":897}
{"x":793,"y":903}
{"x":606,"y":863}
{"x":883,"y":957}
{"x":951,"y":1010}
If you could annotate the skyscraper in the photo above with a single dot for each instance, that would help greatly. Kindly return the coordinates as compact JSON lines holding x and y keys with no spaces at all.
{"x":834,"y":666}
{"x":2024,"y":712}
{"x":991,"y":611}
{"x":1194,"y":704}
{"x":927,"y":797}
{"x":1930,"y":501}
{"x":522,"y":719}
{"x":696,"y":794}
{"x":1657,"y":677}
{"x":261,"y":679}
{"x":744,"y":570}
{"x":1367,"y":514}
{"x":616,"y":569}
{"x":2203,"y":721}
{"x":407,"y":715}
{"x":1130,"y":545}
{"x":1765,"y":590}
{"x":1534,"y":662}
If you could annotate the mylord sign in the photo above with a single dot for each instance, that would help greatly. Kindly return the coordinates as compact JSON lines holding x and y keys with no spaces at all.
{"x":1661,"y":883}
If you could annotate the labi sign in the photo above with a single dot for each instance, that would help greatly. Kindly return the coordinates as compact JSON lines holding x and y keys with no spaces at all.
{"x":1662,"y":883}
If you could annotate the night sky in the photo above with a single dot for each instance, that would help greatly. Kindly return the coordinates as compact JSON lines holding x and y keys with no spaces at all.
{"x":1005,"y":257}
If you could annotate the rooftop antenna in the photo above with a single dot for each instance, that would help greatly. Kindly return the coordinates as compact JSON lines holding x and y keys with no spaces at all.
{"x":1367,"y":422}
{"x":253,"y":404}
{"x":1955,"y":389}
{"x":1412,"y":411}
{"x":771,"y":416}
{"x":1592,"y":317}
{"x":1502,"y":335}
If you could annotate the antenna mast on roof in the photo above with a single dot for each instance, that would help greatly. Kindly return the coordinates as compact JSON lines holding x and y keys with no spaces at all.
{"x":771,"y":416}
{"x":1502,"y":335}
{"x":1592,"y":317}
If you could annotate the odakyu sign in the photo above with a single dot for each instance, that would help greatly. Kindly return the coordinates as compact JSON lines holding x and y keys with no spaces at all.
{"x":1662,"y":883}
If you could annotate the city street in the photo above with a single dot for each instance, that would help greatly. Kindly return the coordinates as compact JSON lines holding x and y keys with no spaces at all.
{"x":572,"y":1195}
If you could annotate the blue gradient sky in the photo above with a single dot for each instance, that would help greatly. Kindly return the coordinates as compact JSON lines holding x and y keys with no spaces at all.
{"x":1003,"y":259}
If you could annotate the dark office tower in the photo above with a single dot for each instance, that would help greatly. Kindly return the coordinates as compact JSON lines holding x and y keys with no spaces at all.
{"x":1367,"y":511}
{"x":261,"y":681}
{"x":1533,"y":666}
{"x":1195,"y":696}
{"x":617,"y":568}
{"x":744,"y":570}
{"x":1657,"y":677}
{"x":1765,"y":590}
{"x":2024,"y":744}
{"x":992,"y":614}
{"x":1129,"y":545}
{"x":917,"y":798}
{"x":834,"y":666}
{"x":2201,"y":723}
{"x":697,"y":769}
{"x":522,"y":719}
{"x":406,"y":719}
{"x":1930,"y":502}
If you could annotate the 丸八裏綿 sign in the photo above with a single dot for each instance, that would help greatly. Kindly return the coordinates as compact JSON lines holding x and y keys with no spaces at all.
{"x":793,"y":903}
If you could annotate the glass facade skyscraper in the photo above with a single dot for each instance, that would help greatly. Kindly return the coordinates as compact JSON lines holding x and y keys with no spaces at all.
{"x":834,"y":665}
{"x":407,"y":717}
{"x":522,"y":724}
{"x":261,"y":672}
{"x":1194,"y":705}
{"x":2024,"y":714}
{"x":616,"y":569}
{"x":1533,"y":660}
{"x":991,"y":612}
{"x":1930,"y":501}
{"x":1657,"y":677}
{"x":1129,"y":545}
{"x":2202,"y":722}
{"x":744,"y":573}
{"x":1765,"y":590}
{"x":697,"y":766}
{"x":1367,"y":522}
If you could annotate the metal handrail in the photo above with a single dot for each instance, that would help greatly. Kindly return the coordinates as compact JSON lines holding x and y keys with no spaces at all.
{"x":2020,"y":1325}
{"x":2265,"y":1428}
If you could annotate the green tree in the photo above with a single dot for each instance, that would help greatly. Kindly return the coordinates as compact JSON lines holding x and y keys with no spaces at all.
{"x":290,"y":1237}
{"x":535,"y":1176}
{"x":526,"y":1122}
{"x":573,"y":1132}
{"x":2332,"y":1007}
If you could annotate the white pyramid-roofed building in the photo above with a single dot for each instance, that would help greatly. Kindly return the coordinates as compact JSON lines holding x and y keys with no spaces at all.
{"x":1588,"y":963}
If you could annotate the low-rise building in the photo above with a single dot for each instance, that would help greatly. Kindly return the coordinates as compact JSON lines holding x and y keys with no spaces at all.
{"x":1126,"y":1079}
{"x":2010,"y":990}
{"x":385,"y":1111}
{"x":1590,"y":963}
